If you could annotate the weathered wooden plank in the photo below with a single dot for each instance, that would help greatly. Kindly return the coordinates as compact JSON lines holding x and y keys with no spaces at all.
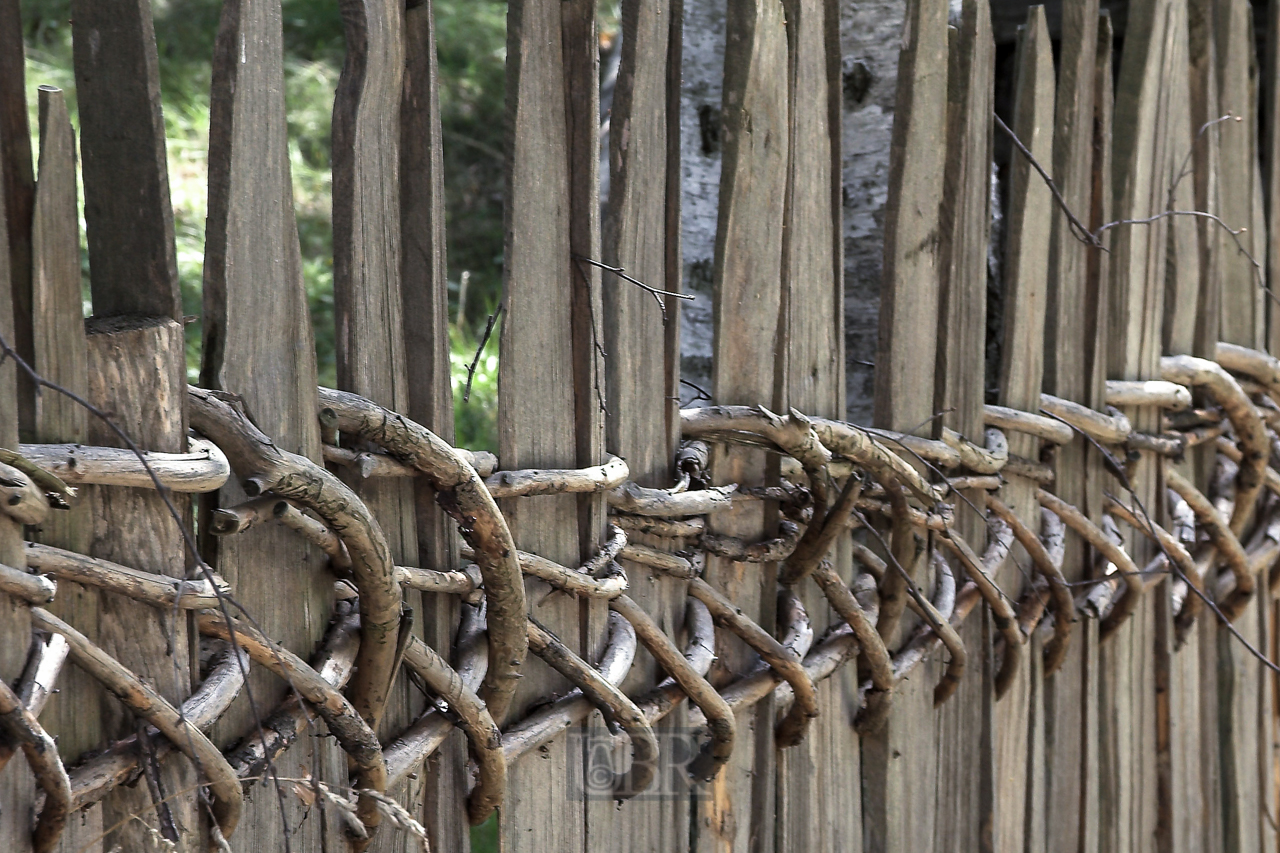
{"x":1128,"y":808}
{"x":128,"y":218}
{"x":819,"y":800}
{"x":1243,"y":689}
{"x":17,"y":794}
{"x":59,"y":354}
{"x":258,"y":344}
{"x":1026,"y":273}
{"x":900,"y":800}
{"x":368,"y":305}
{"x":1067,"y":350}
{"x":425,"y":297}
{"x":639,"y":354}
{"x":536,"y":406}
{"x":17,"y":182}
{"x":739,"y":813}
{"x":137,"y":371}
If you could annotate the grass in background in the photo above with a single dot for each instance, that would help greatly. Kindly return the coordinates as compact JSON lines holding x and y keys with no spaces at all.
{"x":472,"y":56}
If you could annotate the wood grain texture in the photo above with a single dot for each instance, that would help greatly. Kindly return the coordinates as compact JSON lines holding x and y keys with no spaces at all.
{"x":1153,"y":48}
{"x":1068,"y":806}
{"x":819,"y":801}
{"x":900,"y":805}
{"x":641,"y":347}
{"x":425,"y":297}
{"x":367,"y":289}
{"x":258,"y":344}
{"x":128,"y":217}
{"x":1018,"y":727}
{"x":536,"y":406}
{"x":137,"y":371}
{"x":739,"y":812}
{"x":1243,"y":690}
{"x":59,"y":353}
{"x":17,"y":794}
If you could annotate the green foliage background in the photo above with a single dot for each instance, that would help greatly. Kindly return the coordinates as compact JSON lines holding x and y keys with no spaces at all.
{"x":472,"y":55}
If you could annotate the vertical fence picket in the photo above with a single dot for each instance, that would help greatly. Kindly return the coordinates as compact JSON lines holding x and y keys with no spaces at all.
{"x":1129,"y":809}
{"x":1018,"y":717}
{"x":17,"y":793}
{"x":536,"y":405}
{"x":900,"y":797}
{"x":368,"y":306}
{"x":137,"y":367}
{"x":1067,"y":742}
{"x":1243,"y":687}
{"x":819,"y":802}
{"x":59,"y":353}
{"x":964,"y":745}
{"x":425,"y":297}
{"x":258,"y":344}
{"x":641,"y":345}
{"x":17,"y":182}
{"x":747,"y":282}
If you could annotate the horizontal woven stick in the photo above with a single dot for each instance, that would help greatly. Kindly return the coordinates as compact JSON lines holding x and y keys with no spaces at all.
{"x":575,"y":581}
{"x":878,"y":701}
{"x":859,"y":446}
{"x":610,"y":699}
{"x":147,"y":587}
{"x":671,"y":565}
{"x":333,"y":662}
{"x":1002,"y":615}
{"x":120,"y":763}
{"x":481,"y":730}
{"x":1148,"y":392}
{"x":1111,"y":428}
{"x":773,"y":550}
{"x":699,"y":652}
{"x":1027,"y":423}
{"x":669,"y":528}
{"x":598,"y":478}
{"x":425,"y":735}
{"x":46,"y":480}
{"x":1250,"y":433}
{"x":1089,"y":532}
{"x":462,"y":494}
{"x":262,"y":467}
{"x":1223,"y":539}
{"x":25,"y":586}
{"x":547,"y":722}
{"x":788,"y":664}
{"x":664,"y":503}
{"x":201,"y":469}
{"x":42,"y":758}
{"x":20,"y":498}
{"x":989,"y":459}
{"x":371,"y":465}
{"x":1064,"y":607}
{"x":720,"y":720}
{"x":763,"y":679}
{"x":150,"y":706}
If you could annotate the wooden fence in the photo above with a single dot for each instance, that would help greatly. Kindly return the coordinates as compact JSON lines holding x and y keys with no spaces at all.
{"x":1048,"y":630}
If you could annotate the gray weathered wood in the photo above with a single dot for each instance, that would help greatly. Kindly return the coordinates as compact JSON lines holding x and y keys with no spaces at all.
{"x":425,"y":297}
{"x":127,"y":214}
{"x":536,"y":406}
{"x":738,"y":812}
{"x":17,"y":794}
{"x":1068,"y":347}
{"x":819,"y":800}
{"x":1128,"y":809}
{"x":17,"y":182}
{"x":1018,"y":726}
{"x":137,"y":371}
{"x":900,"y":807}
{"x":59,"y":354}
{"x":642,"y":347}
{"x":258,"y":344}
{"x":368,"y":301}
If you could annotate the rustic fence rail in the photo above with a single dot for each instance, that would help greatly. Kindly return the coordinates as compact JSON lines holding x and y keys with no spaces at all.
{"x":1035,"y":616}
